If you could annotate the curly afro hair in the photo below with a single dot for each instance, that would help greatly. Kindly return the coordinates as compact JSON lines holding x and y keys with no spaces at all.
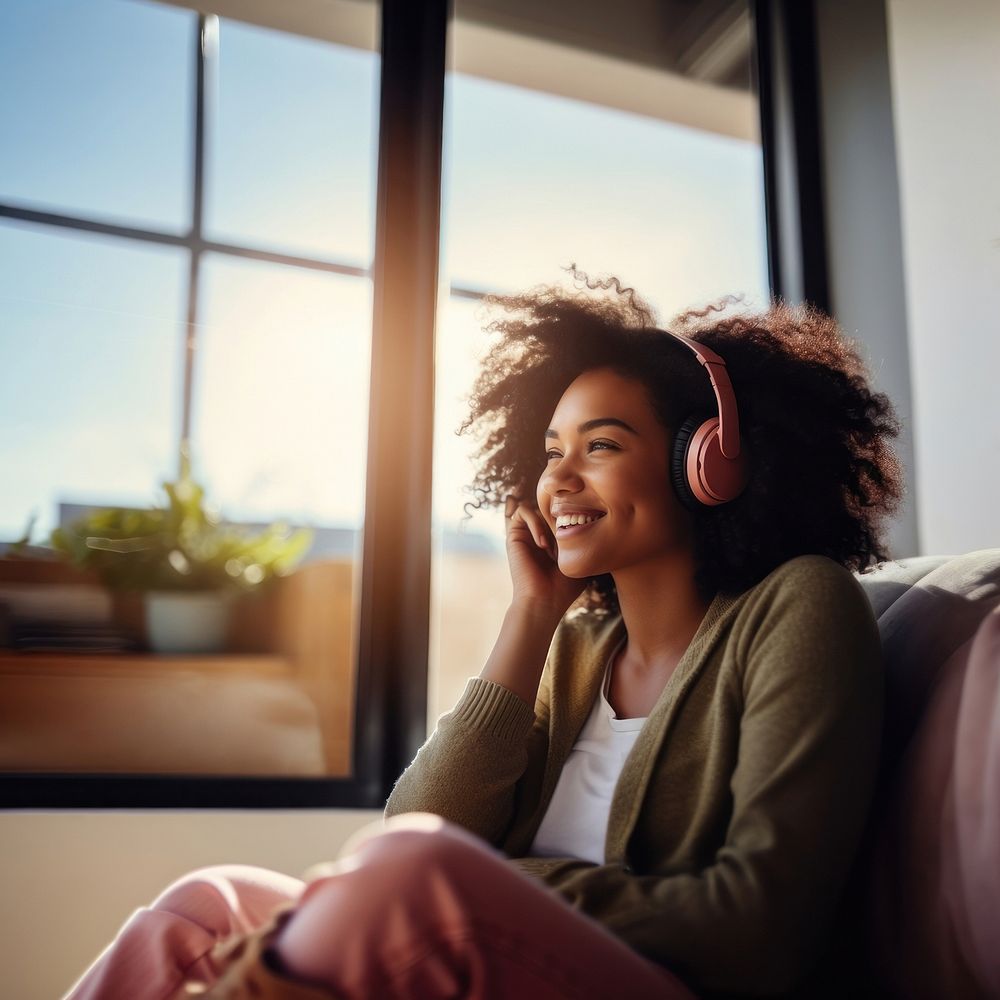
{"x":823,"y":474}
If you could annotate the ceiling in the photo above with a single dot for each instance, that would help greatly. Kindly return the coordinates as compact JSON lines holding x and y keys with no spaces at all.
{"x":707,"y":40}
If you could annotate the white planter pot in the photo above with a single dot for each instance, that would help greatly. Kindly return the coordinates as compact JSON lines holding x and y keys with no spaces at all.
{"x":194,"y":621}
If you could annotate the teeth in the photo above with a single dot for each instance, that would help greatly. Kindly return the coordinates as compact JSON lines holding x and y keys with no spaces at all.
{"x":565,"y":520}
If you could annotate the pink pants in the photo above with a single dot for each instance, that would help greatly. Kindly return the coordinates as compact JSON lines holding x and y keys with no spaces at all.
{"x":416,"y":908}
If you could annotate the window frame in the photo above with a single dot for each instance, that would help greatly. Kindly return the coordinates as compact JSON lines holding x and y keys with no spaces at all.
{"x":394,"y":615}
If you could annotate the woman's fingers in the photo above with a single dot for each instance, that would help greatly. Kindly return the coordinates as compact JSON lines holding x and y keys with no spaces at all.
{"x":543,"y":533}
{"x":531,"y":574}
{"x":538,"y":529}
{"x":520,"y":519}
{"x":530,"y":518}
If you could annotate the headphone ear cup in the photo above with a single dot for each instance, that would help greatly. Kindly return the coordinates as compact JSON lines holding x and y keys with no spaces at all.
{"x":678,"y":464}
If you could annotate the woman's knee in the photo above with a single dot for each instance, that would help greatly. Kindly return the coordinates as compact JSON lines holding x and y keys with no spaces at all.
{"x":396,"y":861}
{"x":415,"y":844}
{"x":397,"y":887}
{"x":421,"y":868}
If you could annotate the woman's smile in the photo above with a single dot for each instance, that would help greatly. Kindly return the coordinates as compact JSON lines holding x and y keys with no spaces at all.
{"x":575,"y":524}
{"x":569,"y":516}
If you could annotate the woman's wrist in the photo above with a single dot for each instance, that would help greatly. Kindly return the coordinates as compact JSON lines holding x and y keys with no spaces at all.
{"x":523,"y":643}
{"x":535,"y":613}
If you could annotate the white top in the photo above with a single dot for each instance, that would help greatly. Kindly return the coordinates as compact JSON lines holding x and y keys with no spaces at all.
{"x":576,"y":821}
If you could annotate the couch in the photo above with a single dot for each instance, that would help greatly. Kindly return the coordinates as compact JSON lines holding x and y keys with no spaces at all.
{"x":920,"y":916}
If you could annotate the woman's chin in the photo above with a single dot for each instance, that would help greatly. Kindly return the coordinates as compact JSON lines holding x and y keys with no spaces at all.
{"x":578,"y":569}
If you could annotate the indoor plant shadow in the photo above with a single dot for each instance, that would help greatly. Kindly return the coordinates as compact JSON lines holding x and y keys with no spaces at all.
{"x":186,"y":562}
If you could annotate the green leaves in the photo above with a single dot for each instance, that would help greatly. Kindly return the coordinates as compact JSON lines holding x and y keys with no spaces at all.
{"x":179,"y":546}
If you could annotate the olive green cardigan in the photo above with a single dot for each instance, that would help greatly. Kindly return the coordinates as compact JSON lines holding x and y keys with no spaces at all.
{"x":741,"y":805}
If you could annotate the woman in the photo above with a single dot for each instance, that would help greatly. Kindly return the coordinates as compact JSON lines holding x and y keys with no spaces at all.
{"x":659,"y":793}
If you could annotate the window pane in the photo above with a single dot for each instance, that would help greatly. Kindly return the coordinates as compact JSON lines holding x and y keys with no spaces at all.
{"x":625,"y":148}
{"x":281,"y":403}
{"x":470,"y":586}
{"x":280,"y":425}
{"x":96,"y":106}
{"x":675,"y":211}
{"x":90,"y":384}
{"x":292,"y":162}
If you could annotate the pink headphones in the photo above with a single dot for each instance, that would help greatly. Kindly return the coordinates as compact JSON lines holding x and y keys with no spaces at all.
{"x":707,"y":467}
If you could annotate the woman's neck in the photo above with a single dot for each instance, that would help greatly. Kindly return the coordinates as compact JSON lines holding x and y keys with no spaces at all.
{"x":661,"y":609}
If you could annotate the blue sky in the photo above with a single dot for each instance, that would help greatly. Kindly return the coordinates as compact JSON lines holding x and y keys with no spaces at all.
{"x":95,"y":105}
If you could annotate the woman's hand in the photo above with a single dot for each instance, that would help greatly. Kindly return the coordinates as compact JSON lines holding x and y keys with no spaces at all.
{"x":541,"y":596}
{"x":532,"y":556}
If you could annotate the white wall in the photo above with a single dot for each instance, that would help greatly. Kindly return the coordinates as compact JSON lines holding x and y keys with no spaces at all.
{"x":864,"y":241}
{"x":945,"y":65}
{"x":70,"y":879}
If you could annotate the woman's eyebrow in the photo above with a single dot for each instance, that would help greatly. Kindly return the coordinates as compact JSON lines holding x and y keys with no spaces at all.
{"x":589,"y":425}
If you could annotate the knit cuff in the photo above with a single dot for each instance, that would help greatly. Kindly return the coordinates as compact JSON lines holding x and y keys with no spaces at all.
{"x":494,"y":710}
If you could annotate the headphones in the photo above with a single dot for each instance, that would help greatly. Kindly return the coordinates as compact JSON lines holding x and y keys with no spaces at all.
{"x":706,"y":465}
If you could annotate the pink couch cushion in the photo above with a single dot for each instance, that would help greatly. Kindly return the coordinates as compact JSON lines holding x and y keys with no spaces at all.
{"x":976,"y":806}
{"x":933,"y":871}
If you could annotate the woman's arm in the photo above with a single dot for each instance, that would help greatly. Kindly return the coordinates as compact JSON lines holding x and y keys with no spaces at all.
{"x":519,"y":653}
{"x":756,"y":919}
{"x":468,"y":768}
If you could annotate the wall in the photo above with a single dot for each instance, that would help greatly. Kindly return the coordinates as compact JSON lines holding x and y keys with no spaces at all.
{"x":70,"y":879}
{"x":946,"y":92}
{"x":864,"y":242}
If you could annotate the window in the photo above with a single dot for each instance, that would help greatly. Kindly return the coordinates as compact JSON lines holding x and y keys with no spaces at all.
{"x":188,"y":233}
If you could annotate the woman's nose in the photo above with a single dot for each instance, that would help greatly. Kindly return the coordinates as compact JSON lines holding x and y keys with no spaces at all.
{"x":560,"y":476}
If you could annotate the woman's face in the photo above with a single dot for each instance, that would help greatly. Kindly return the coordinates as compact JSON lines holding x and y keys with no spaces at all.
{"x":608,"y":456}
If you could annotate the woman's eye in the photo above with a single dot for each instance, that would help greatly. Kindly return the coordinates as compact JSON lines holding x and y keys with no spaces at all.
{"x":604,"y":445}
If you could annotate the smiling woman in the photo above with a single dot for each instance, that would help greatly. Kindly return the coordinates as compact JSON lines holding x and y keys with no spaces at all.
{"x":681,"y":772}
{"x":704,"y":492}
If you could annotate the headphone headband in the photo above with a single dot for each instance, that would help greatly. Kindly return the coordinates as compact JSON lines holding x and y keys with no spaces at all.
{"x":725,"y":398}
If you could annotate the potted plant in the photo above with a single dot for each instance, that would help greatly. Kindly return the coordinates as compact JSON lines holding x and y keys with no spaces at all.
{"x":186,"y":562}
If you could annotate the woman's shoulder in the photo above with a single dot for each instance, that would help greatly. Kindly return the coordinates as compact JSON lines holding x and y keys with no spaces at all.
{"x":810,"y":596}
{"x":810,"y":575}
{"x":807,"y":627}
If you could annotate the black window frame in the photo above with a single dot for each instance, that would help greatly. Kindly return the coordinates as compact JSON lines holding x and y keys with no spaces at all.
{"x":391,"y":701}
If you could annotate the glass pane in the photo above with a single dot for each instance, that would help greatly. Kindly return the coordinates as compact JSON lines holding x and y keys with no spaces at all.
{"x":675,"y":211}
{"x":625,"y":148}
{"x":96,"y":109}
{"x":90,"y":381}
{"x":281,"y":401}
{"x":280,"y":434}
{"x":293,"y":148}
{"x":470,"y":584}
{"x":91,"y":388}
